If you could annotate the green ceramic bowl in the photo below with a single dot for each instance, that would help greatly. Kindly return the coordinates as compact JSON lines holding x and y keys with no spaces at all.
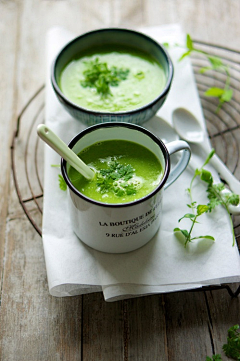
{"x":117,"y":37}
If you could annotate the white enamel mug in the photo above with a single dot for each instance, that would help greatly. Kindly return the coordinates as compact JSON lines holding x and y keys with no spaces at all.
{"x":120,"y":228}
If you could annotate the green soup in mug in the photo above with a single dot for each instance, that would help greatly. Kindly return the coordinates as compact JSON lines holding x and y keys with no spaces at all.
{"x":125,"y":171}
{"x":113,"y":80}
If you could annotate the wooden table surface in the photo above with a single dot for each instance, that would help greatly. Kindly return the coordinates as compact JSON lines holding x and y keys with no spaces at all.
{"x":34,"y":325}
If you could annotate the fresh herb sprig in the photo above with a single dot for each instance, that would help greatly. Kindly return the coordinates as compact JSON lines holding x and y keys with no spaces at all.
{"x":215,"y":63}
{"x":216,"y":197}
{"x":232,"y":347}
{"x":99,"y":76}
{"x":197,"y":209}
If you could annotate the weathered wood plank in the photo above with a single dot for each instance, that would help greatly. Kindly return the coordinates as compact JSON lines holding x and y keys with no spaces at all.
{"x":34,"y":325}
{"x":225,"y":312}
{"x":187,"y":326}
{"x":103,"y":335}
{"x":145,"y":328}
{"x":8,"y":15}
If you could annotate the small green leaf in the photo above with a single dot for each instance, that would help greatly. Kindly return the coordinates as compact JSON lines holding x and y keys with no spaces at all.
{"x":187,"y":215}
{"x":183,"y":231}
{"x":206,"y":176}
{"x":177,"y":229}
{"x":210,"y":155}
{"x":205,"y":237}
{"x":202,"y":208}
{"x":166,"y":45}
{"x":189,"y":42}
{"x":62,"y":183}
{"x":214,"y":358}
{"x":204,"y":69}
{"x":215,"y":61}
{"x":197,"y":172}
{"x":184,"y":55}
{"x":227,"y":95}
{"x":214,"y":92}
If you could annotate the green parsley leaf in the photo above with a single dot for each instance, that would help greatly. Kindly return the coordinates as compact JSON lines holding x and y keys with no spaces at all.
{"x":214,"y":358}
{"x":115,"y":179}
{"x":232,"y":347}
{"x":233,"y":199}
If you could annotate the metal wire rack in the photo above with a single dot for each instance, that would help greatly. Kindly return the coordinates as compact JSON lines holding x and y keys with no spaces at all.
{"x":223,"y":128}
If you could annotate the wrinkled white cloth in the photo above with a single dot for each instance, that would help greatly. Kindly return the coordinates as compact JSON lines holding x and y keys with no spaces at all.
{"x":164,"y":264}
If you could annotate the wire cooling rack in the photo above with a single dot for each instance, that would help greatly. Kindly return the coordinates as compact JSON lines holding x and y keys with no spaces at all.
{"x":223,"y":130}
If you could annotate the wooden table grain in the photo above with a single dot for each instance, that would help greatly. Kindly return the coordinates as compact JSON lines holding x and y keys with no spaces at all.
{"x":35,"y":326}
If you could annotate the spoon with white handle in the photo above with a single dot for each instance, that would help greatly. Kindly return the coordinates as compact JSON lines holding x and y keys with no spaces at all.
{"x":188,"y":127}
{"x":49,"y":137}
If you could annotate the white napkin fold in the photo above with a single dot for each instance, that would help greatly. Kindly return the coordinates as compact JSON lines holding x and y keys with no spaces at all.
{"x":163,"y":265}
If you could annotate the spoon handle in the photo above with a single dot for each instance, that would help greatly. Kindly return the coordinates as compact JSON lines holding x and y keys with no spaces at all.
{"x":49,"y":137}
{"x":225,"y":174}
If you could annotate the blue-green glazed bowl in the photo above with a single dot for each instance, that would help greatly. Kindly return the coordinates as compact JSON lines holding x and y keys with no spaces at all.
{"x":104,"y":37}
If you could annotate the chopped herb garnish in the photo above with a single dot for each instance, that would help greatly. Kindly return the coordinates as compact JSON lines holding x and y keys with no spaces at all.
{"x":101,"y":77}
{"x":116,"y":179}
{"x":139,"y":75}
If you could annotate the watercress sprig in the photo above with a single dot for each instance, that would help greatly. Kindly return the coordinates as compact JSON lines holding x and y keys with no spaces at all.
{"x":215,"y":63}
{"x":197,"y":209}
{"x":231,"y":348}
{"x":216,"y":197}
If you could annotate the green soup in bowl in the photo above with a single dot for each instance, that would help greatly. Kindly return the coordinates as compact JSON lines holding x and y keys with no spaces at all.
{"x":113,"y":80}
{"x":124,"y":172}
{"x":112,"y":75}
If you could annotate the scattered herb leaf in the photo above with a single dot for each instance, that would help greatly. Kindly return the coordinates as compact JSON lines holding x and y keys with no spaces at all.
{"x":232,"y":347}
{"x":139,"y":75}
{"x":214,"y":358}
{"x":62,"y":183}
{"x":99,"y":76}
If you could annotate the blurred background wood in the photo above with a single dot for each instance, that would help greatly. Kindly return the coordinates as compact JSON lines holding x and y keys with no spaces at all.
{"x":35,"y":326}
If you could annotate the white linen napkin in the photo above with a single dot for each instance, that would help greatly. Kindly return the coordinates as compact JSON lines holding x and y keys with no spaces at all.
{"x":164,"y":264}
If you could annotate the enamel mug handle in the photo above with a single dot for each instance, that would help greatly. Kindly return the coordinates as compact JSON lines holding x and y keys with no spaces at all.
{"x":172,"y":148}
